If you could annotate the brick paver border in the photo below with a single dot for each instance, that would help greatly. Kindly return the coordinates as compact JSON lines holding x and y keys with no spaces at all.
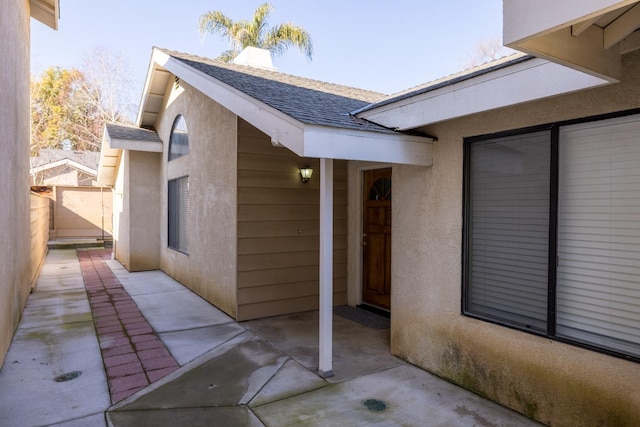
{"x":133,"y":354}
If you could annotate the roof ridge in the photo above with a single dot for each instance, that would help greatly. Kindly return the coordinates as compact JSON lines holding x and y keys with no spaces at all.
{"x":238,"y":67}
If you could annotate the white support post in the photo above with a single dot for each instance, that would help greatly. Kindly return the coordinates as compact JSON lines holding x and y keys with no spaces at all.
{"x":325,"y":368}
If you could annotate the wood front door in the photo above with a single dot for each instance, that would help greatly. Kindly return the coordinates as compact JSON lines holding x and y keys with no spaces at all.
{"x":376,"y":238}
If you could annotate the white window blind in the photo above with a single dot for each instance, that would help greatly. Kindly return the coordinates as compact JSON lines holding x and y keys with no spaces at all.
{"x":509,"y":229}
{"x":178,"y":220}
{"x":598,"y":285}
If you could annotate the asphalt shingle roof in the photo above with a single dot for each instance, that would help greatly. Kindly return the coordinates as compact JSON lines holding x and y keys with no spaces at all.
{"x":121,"y":131}
{"x":306,"y":100}
{"x":46,"y":156}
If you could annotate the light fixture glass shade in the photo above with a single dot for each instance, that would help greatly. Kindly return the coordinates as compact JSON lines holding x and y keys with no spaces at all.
{"x":305,"y":173}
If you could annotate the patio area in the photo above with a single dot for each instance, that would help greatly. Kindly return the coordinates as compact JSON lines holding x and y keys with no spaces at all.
{"x":100,"y":346}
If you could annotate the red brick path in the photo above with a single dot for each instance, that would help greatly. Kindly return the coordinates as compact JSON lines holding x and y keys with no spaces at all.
{"x":133,"y":355}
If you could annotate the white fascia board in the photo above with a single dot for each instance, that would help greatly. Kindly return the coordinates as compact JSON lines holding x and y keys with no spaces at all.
{"x":332,"y":143}
{"x":283,"y":129}
{"x":136,"y":145}
{"x":525,"y":19}
{"x":63,"y":162}
{"x":524,"y":82}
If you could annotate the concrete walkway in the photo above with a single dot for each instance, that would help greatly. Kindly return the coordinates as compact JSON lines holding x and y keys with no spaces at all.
{"x":257,"y":373}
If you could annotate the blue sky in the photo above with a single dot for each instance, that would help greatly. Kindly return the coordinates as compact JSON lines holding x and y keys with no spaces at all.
{"x":386,"y":46}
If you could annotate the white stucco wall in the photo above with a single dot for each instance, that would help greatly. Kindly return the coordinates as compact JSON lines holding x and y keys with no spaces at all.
{"x":553,"y":382}
{"x":14,"y":166}
{"x":211,"y":265}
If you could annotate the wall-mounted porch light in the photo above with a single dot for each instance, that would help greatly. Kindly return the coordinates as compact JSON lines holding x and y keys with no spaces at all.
{"x":305,"y":174}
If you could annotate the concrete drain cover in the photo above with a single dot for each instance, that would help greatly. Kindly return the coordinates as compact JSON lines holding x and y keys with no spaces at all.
{"x":67,"y":376}
{"x":375,"y":405}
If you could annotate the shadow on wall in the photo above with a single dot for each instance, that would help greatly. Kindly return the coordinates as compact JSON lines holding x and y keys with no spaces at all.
{"x":82,"y":212}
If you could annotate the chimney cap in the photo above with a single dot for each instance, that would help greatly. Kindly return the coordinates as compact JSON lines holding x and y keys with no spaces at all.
{"x":255,"y":57}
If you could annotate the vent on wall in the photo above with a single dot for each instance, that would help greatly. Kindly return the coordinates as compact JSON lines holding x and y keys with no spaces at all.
{"x":176,"y":84}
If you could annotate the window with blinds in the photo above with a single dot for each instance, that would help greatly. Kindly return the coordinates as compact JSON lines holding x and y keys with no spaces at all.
{"x":598,"y":285}
{"x":509,"y":228}
{"x":178,"y":216}
{"x":570,"y":193}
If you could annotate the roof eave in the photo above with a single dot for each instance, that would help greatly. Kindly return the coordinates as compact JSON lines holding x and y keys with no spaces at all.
{"x":282,"y":129}
{"x":497,"y":89}
{"x":303,"y":139}
{"x":349,"y":144}
{"x":109,"y":162}
{"x":111,"y":152}
{"x":46,"y":11}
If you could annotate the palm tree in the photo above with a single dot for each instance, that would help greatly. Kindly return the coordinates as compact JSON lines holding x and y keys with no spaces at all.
{"x":255,"y":33}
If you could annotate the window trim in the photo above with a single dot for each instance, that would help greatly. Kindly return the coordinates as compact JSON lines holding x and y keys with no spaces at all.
{"x":553,"y":230}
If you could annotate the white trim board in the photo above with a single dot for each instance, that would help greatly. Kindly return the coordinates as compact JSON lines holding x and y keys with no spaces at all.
{"x":519,"y":83}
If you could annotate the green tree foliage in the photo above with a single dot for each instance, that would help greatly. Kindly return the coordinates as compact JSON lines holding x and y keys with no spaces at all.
{"x":256,"y":33}
{"x":62,"y":110}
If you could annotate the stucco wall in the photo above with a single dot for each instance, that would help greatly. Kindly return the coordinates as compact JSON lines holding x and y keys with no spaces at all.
{"x":82,"y":212}
{"x":210,"y":267}
{"x":144,"y":204}
{"x":553,"y":382}
{"x":121,"y":212}
{"x":15,"y":259}
{"x":136,"y":210}
{"x":39,"y":233}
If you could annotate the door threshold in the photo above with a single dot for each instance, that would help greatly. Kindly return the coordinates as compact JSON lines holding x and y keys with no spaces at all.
{"x":376,"y":310}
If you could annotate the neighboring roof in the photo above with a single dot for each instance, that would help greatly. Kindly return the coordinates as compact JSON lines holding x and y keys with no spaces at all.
{"x":49,"y":157}
{"x":306,"y":100}
{"x":461,"y":76}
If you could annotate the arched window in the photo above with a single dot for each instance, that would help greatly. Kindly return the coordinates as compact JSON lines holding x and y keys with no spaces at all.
{"x":179,"y":140}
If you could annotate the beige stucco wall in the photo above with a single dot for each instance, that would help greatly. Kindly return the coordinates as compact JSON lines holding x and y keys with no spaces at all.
{"x":136,"y":210}
{"x":210,"y":267}
{"x":144,"y":204}
{"x":121,"y":213}
{"x":82,"y":212}
{"x":15,"y":259}
{"x":553,"y":382}
{"x":39,"y":233}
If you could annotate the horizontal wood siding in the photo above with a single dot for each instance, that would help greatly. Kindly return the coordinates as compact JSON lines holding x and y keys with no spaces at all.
{"x":278,"y":229}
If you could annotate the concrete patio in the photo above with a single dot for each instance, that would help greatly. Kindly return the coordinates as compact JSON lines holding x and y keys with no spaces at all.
{"x":254,"y":373}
